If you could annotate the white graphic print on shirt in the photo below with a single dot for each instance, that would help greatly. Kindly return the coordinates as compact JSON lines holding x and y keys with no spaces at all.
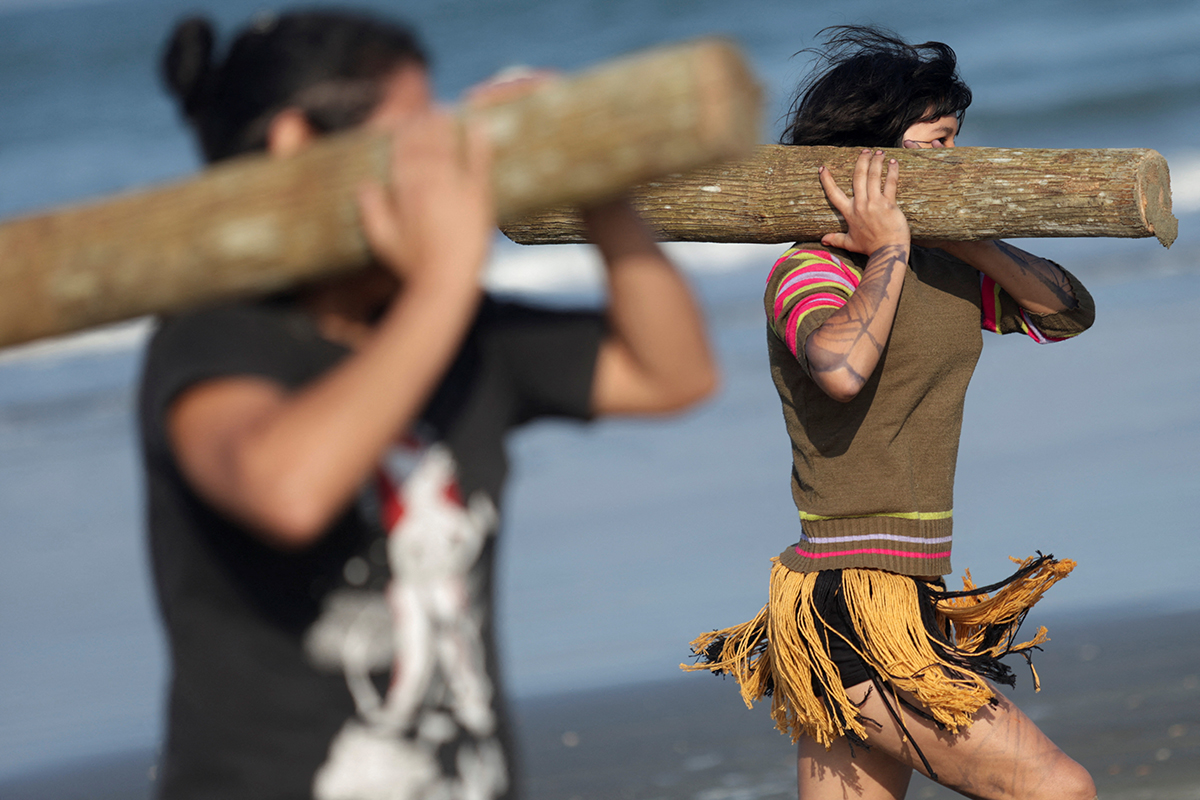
{"x":441,"y":693}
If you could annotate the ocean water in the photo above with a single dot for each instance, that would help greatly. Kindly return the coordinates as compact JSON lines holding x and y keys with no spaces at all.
{"x":623,"y":539}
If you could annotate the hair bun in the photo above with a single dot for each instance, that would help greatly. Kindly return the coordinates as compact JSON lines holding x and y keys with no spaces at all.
{"x":188,"y":60}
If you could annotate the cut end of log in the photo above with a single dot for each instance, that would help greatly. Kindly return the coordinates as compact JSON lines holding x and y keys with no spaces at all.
{"x":558,"y":225}
{"x":1154,"y":187}
{"x":668,"y":110}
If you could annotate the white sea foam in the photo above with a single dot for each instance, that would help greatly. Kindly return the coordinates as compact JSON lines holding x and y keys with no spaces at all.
{"x":107,"y":339}
{"x":42,"y":5}
{"x":515,"y":269}
{"x":1185,"y":182}
{"x":577,"y":268}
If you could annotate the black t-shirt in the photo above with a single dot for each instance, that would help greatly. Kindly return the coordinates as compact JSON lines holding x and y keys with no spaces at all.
{"x":285,"y":679}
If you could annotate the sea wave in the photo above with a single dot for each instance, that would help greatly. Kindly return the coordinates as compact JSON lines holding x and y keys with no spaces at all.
{"x":43,"y":5}
{"x":1185,"y":181}
{"x":118,"y":337}
{"x":577,"y":268}
{"x":514,"y":270}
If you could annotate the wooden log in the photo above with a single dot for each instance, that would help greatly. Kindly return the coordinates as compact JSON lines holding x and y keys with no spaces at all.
{"x":255,"y":225}
{"x":957,"y":194}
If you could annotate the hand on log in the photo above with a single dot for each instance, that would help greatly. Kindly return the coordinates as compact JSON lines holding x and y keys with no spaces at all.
{"x":255,"y":225}
{"x":959,"y":194}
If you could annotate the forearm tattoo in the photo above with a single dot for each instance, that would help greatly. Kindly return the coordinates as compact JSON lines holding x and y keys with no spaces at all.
{"x":1042,"y":271}
{"x":849,"y":329}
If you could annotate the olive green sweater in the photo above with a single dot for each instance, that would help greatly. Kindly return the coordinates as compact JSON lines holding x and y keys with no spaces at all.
{"x":873,"y":478}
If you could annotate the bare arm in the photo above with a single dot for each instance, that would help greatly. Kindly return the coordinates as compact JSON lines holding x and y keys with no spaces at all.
{"x":287,"y":464}
{"x":845,"y":350}
{"x":1035,"y":283}
{"x":657,"y":357}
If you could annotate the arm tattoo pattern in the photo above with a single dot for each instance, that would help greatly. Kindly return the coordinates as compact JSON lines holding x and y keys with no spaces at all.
{"x":1044,"y":272}
{"x":1002,"y":314}
{"x":849,"y":330}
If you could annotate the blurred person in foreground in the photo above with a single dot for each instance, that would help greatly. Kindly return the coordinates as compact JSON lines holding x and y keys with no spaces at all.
{"x":324,"y":466}
{"x":873,"y":666}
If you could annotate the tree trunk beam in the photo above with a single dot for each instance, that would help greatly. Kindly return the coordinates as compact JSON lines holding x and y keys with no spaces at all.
{"x":255,"y":225}
{"x":959,"y":194}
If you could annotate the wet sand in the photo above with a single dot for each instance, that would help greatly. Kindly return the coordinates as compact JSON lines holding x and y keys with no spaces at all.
{"x":1121,"y":694}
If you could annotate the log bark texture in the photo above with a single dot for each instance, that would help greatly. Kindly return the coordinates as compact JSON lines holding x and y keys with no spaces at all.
{"x":255,"y":225}
{"x":958,"y":194}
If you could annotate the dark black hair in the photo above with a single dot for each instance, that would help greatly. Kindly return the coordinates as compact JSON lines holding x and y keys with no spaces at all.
{"x":331,"y":64}
{"x":870,"y":86}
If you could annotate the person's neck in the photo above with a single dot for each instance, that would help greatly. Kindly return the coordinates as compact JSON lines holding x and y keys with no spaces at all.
{"x":346,"y":310}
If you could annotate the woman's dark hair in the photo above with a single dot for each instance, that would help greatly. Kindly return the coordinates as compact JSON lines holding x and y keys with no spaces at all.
{"x":870,"y":86}
{"x":331,"y":64}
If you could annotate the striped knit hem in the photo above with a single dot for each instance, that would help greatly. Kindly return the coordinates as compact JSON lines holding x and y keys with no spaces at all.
{"x":915,"y":543}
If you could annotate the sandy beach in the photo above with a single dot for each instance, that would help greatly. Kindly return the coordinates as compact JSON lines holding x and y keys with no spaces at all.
{"x":625,"y":539}
{"x":1099,"y":466}
{"x":1121,"y":694}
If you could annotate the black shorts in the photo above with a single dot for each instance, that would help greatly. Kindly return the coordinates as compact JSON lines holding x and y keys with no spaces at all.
{"x":850,"y":664}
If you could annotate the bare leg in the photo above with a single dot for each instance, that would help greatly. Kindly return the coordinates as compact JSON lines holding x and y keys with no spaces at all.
{"x":836,"y":775}
{"x":1002,"y":756}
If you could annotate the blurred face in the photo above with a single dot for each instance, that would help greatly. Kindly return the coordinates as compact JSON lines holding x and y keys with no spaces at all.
{"x":405,"y":94}
{"x":347,"y":306}
{"x":933,"y":134}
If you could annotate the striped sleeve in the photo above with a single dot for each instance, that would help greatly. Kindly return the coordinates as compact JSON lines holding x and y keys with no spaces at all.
{"x":805,"y":286}
{"x":1002,"y":314}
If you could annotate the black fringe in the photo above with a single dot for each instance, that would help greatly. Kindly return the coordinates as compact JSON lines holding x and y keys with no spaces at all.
{"x":998,"y":638}
{"x":828,"y":595}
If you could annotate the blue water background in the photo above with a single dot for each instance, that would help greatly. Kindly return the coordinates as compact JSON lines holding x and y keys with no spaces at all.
{"x":623,"y":539}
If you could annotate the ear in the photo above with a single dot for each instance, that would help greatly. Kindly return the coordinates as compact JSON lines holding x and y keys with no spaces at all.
{"x":289,"y":133}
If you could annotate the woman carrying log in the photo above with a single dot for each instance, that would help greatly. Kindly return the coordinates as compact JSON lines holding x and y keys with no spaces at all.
{"x":324,"y":466}
{"x":873,"y":666}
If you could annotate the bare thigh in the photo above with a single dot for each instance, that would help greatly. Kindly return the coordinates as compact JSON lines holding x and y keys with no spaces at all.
{"x":1002,"y":756}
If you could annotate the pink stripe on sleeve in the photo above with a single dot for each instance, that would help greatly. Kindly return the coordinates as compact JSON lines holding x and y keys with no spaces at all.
{"x":781,"y":260}
{"x":809,"y":304}
{"x":812,"y":268}
{"x":989,"y":294}
{"x":783,"y":300}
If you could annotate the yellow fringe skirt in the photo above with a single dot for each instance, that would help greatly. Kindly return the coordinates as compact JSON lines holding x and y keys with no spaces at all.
{"x":911,"y":635}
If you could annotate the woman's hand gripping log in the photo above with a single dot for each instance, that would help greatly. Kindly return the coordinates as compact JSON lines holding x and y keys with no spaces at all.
{"x":845,"y":350}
